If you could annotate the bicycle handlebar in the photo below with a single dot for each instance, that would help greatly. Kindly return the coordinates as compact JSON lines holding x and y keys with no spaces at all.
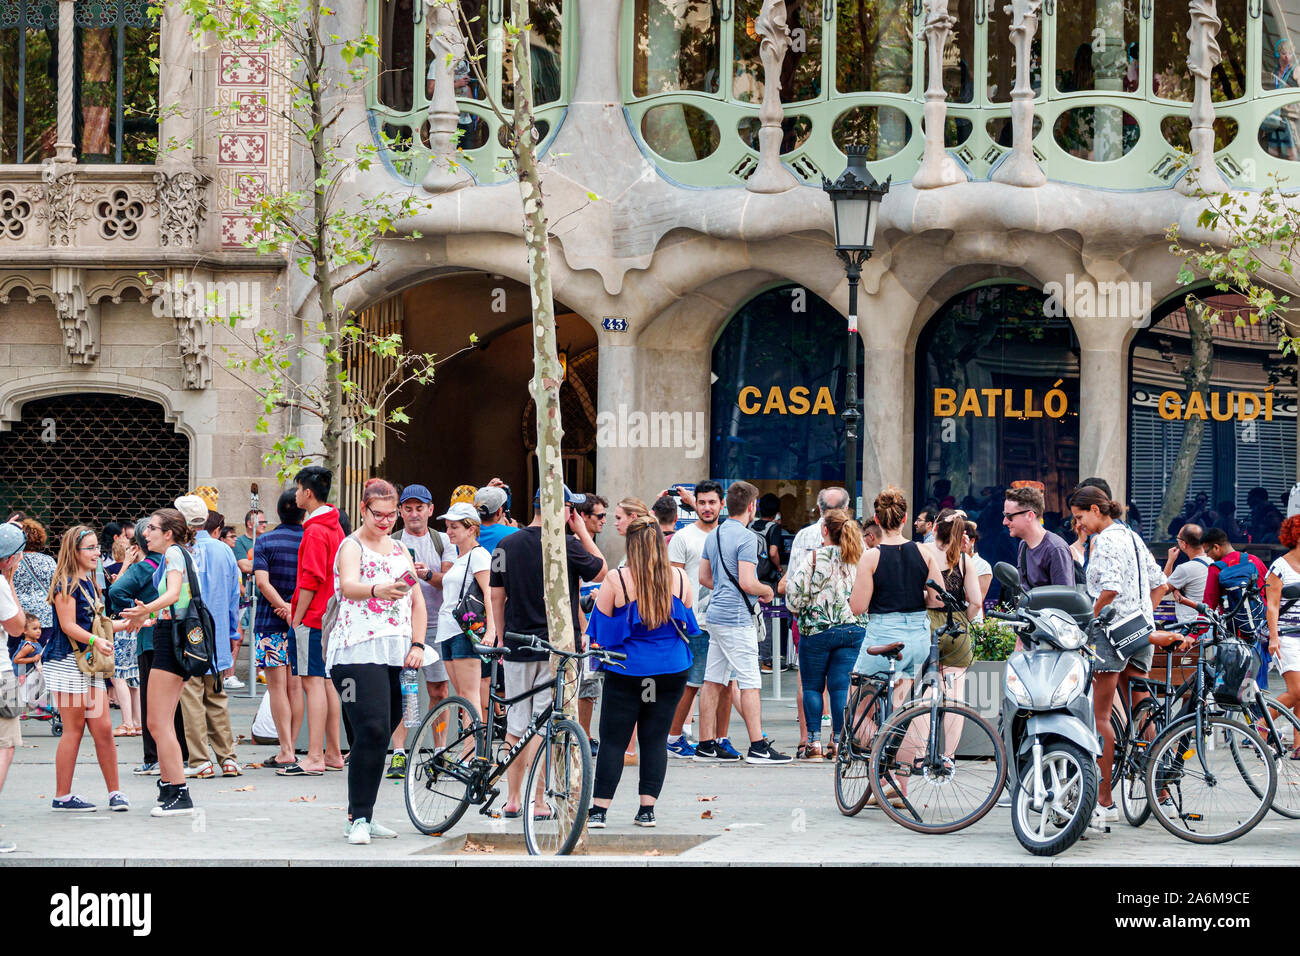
{"x":536,"y":643}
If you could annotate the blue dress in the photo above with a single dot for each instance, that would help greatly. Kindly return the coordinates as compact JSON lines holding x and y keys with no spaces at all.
{"x":649,"y":652}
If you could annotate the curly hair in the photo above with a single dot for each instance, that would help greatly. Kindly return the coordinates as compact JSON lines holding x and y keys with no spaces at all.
{"x":1289,"y":533}
{"x":35,"y":532}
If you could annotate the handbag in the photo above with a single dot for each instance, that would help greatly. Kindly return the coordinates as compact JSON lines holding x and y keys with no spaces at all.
{"x":11,"y":701}
{"x":1130,"y":633}
{"x":96,"y":658}
{"x":194,"y":633}
{"x":470,"y":612}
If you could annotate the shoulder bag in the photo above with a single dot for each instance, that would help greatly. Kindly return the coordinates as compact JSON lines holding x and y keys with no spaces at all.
{"x":11,"y":698}
{"x":194,"y":634}
{"x":96,"y":658}
{"x":1130,"y":633}
{"x":755,"y":609}
{"x":470,"y":612}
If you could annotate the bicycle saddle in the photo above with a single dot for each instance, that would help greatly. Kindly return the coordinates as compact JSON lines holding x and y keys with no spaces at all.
{"x":893,"y":650}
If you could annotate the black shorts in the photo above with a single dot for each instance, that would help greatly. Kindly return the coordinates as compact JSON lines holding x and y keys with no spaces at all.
{"x":164,"y":650}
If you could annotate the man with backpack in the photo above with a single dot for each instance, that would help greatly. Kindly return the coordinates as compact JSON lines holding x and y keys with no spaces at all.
{"x":769,"y":571}
{"x":1227,"y":587}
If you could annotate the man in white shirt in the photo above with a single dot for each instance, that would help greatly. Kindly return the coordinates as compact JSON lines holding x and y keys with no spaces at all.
{"x":432,"y":552}
{"x":13,"y":619}
{"x":810,"y":538}
{"x":1187,"y":581}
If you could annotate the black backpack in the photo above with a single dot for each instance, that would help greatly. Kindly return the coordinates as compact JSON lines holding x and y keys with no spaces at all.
{"x":194,"y":634}
{"x":766,"y":570}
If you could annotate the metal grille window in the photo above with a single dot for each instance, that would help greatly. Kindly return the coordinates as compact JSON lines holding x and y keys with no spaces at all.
{"x":91,"y":458}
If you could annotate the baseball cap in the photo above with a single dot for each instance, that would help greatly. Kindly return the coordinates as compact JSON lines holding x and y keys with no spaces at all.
{"x":12,"y":539}
{"x":461,"y":511}
{"x":209,"y":495}
{"x":192,"y":509}
{"x":416,"y":493}
{"x":569,"y":497}
{"x":489,"y":500}
{"x":463,"y":493}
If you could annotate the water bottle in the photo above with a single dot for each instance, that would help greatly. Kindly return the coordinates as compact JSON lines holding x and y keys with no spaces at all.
{"x":410,"y":681}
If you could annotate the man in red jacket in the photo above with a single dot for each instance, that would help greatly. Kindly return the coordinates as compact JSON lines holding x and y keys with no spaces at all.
{"x":321,"y":536}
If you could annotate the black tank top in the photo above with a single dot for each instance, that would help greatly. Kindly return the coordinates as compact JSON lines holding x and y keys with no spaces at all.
{"x":899,"y":582}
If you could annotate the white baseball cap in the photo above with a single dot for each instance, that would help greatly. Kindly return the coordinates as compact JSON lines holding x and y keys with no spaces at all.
{"x":461,"y":511}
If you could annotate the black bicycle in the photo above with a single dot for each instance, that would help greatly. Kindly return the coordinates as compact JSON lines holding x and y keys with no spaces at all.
{"x":456,"y":760}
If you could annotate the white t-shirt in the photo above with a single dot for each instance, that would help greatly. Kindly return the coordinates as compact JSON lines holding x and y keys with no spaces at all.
{"x":8,"y":608}
{"x":1189,"y":578}
{"x":981,"y":566}
{"x":686,"y":549}
{"x":426,"y":554}
{"x":477,"y":560}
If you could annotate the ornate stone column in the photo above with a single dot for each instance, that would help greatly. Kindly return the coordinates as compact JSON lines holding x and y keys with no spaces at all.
{"x":448,"y":45}
{"x":1202,"y":57}
{"x":1021,"y":168}
{"x":63,"y":145}
{"x":774,"y":43}
{"x":78,"y":320}
{"x":937,"y":167}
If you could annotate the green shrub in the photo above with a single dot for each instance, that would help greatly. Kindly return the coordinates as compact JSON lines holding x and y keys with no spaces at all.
{"x":992,"y":640}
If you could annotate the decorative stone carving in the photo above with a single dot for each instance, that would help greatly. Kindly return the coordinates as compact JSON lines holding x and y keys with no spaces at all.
{"x":78,"y":320}
{"x":1203,"y":56}
{"x":774,"y":43}
{"x":15,"y":211}
{"x":1021,"y":168}
{"x":183,"y":298}
{"x":181,"y":202}
{"x":119,"y":213}
{"x":444,"y":173}
{"x":60,"y":207}
{"x":937,"y":167}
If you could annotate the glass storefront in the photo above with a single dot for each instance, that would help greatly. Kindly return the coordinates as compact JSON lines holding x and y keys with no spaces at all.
{"x":781,"y":364}
{"x":1212,"y":425}
{"x":997,"y":402}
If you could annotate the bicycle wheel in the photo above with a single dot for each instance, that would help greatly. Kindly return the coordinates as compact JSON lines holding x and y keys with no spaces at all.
{"x":1214,"y":806}
{"x":1148,"y":721}
{"x":1286,"y":801}
{"x":440,"y":766}
{"x":945,"y":781}
{"x":852,"y":758}
{"x":562,"y":768}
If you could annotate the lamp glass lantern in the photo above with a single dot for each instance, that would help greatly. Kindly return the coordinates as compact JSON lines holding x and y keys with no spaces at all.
{"x":856,"y":198}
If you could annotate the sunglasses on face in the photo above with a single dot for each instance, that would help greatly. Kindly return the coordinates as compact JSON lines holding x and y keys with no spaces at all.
{"x":599,"y":516}
{"x":1008,"y":515}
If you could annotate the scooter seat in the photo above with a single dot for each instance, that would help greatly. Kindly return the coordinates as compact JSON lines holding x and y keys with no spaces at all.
{"x":893,"y":650}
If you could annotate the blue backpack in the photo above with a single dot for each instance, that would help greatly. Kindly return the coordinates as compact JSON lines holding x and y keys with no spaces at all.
{"x":1239,"y":590}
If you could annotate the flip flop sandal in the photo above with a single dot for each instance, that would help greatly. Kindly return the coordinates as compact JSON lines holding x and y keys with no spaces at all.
{"x":297,"y":770}
{"x":336,"y":769}
{"x":123,"y":731}
{"x":512,"y":814}
{"x":270,"y":763}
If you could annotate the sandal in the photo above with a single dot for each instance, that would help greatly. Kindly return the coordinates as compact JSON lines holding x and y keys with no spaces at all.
{"x":814,"y":752}
{"x":230,"y":769}
{"x":801,"y":752}
{"x":122,"y":731}
{"x":297,"y":770}
{"x":831,"y":752}
{"x":1295,"y":754}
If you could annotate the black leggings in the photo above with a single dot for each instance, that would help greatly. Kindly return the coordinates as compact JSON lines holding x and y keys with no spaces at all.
{"x":145,"y":660}
{"x":372,"y":700}
{"x":649,"y":703}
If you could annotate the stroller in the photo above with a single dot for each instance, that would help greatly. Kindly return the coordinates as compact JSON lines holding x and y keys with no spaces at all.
{"x":37,"y":704}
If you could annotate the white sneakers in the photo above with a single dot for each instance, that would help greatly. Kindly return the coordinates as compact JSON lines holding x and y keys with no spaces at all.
{"x":233,"y":683}
{"x":359,"y":832}
{"x":377,"y":831}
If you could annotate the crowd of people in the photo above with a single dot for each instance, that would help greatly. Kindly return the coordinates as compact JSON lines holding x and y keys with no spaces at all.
{"x":339,"y":614}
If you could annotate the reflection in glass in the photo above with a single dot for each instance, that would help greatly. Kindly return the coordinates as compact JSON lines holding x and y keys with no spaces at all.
{"x":995,"y":347}
{"x":1171,"y":79}
{"x":1001,"y":76}
{"x":795,"y":131}
{"x":801,"y":71}
{"x":884,"y":130}
{"x":1234,"y":442}
{"x":1280,"y":27}
{"x":680,"y":132}
{"x":1177,"y":131}
{"x":1097,"y":46}
{"x":873,"y":46}
{"x":1279,"y":132}
{"x":675,"y":46}
{"x":956,"y":130}
{"x":1096,"y":133}
{"x":394,"y":87}
{"x":472,"y":129}
{"x":506,"y":133}
{"x":999,"y":129}
{"x":547,"y":19}
{"x":959,"y":54}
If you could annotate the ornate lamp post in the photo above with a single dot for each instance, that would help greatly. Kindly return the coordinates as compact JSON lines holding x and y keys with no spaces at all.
{"x":856,"y":197}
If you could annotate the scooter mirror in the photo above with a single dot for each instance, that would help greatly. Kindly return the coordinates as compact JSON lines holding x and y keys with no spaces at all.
{"x":1007,"y":575}
{"x":1107,"y":615}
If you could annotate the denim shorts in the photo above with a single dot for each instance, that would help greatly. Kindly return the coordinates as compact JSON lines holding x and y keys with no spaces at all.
{"x":457,"y":648}
{"x":699,"y":657}
{"x":910,"y":627}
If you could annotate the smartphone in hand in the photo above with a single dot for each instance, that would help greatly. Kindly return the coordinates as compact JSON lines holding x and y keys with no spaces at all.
{"x":407,"y":578}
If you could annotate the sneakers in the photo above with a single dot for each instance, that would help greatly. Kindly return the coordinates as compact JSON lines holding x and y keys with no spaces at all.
{"x":204,"y":771}
{"x":377,"y":831}
{"x":724,"y":747}
{"x":680,"y":748}
{"x":397,"y":766}
{"x":359,"y":833}
{"x":146,"y":770}
{"x":118,"y":803}
{"x":595,"y":818}
{"x":762,"y":752}
{"x":233,"y":683}
{"x":645,"y":817}
{"x":711,"y":751}
{"x":1110,"y":814}
{"x":174,"y":800}
{"x":73,"y":804}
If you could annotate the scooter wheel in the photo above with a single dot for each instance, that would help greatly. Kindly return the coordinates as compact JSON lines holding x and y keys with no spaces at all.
{"x":1061,"y":822}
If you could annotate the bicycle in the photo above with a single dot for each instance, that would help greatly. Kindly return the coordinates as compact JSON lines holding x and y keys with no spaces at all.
{"x":1199,"y":783}
{"x":450,"y":764}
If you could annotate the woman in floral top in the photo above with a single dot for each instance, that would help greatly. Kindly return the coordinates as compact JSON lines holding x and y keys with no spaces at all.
{"x":33,"y":577}
{"x":830,"y":634}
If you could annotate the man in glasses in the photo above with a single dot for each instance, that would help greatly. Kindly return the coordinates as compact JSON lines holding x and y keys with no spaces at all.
{"x":1044,"y":557}
{"x":595,"y":512}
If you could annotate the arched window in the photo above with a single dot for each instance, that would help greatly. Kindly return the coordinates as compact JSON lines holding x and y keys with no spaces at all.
{"x":1212,"y":424}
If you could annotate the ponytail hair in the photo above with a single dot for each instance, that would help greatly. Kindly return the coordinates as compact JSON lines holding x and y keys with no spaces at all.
{"x":1090,"y":496}
{"x":891,"y":508}
{"x":948,"y":529}
{"x":844,"y":531}
{"x":169,"y":519}
{"x":647,"y":559}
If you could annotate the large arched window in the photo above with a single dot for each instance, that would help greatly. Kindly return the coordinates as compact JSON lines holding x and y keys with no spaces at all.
{"x":780,"y":364}
{"x":400,"y":97}
{"x":1212,"y":424}
{"x":997,"y":373}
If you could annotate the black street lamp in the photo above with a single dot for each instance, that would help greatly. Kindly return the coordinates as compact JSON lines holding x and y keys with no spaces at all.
{"x":856,"y":197}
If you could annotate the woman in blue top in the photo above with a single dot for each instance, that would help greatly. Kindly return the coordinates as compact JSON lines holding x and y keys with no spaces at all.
{"x":643,"y":611}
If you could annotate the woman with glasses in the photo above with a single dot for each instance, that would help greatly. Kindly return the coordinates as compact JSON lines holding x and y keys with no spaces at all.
{"x":166,"y":533}
{"x":472,"y":564}
{"x":81,"y":699}
{"x":380,"y":612}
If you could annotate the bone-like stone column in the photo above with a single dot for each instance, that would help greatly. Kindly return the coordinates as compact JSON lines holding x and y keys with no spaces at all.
{"x":1021,"y":168}
{"x":1203,"y":56}
{"x":444,"y":173}
{"x":771,"y":176}
{"x":937,"y":167}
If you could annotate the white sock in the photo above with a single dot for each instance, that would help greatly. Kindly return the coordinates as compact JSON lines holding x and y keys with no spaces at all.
{"x":66,"y":796}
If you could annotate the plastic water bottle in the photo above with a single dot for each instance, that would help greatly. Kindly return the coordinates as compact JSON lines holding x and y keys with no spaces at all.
{"x":410,"y":681}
